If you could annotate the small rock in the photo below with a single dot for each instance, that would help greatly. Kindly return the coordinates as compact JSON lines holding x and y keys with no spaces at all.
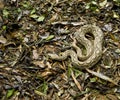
{"x":117,"y":51}
{"x":7,"y":87}
{"x":108,"y":27}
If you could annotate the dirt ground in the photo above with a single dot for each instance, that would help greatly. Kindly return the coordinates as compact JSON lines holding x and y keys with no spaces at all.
{"x":30,"y":29}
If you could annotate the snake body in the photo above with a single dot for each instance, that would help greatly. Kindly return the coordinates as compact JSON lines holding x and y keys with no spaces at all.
{"x":93,"y":48}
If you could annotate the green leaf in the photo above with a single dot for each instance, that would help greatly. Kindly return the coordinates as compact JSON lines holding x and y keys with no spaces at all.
{"x":115,"y":15}
{"x":93,"y":79}
{"x":5,"y":13}
{"x":19,"y":10}
{"x":118,"y":1}
{"x":39,"y":93}
{"x":69,"y":71}
{"x":26,"y":4}
{"x":117,"y":51}
{"x":50,"y":37}
{"x":10,"y":93}
{"x":77,"y":72}
{"x":43,"y":88}
{"x":102,"y":4}
{"x":41,"y":18}
{"x":4,"y":27}
{"x":87,"y":6}
{"x":33,"y":11}
{"x":34,"y":16}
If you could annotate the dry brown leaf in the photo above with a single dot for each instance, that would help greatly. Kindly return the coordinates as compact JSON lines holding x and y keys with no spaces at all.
{"x":46,"y":73}
{"x":101,"y":97}
{"x":100,"y":75}
{"x":2,"y":40}
{"x":39,"y":63}
{"x":111,"y":97}
{"x":86,"y":97}
{"x":54,"y":17}
{"x":76,"y":82}
{"x":35,"y":54}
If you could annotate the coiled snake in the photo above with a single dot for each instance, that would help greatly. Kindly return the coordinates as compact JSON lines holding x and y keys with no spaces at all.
{"x":93,"y":48}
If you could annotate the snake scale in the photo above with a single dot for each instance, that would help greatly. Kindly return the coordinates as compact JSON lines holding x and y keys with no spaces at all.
{"x":93,"y":48}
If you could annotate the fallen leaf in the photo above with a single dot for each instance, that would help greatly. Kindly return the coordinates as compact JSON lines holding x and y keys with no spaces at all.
{"x":10,"y":93}
{"x":2,"y":40}
{"x":39,"y":93}
{"x":76,"y":82}
{"x":111,"y":97}
{"x":35,"y":54}
{"x":41,"y":18}
{"x":100,"y":75}
{"x":102,"y":4}
{"x":5,"y":13}
{"x":50,"y":37}
{"x":39,"y":63}
{"x":34,"y":16}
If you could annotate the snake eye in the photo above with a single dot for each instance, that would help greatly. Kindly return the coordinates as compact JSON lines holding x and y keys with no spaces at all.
{"x":61,"y":54}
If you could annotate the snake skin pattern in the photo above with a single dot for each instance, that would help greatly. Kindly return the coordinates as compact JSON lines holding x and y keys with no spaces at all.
{"x":93,"y":48}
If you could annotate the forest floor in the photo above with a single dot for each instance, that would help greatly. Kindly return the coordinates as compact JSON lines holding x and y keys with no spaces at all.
{"x":30,"y":29}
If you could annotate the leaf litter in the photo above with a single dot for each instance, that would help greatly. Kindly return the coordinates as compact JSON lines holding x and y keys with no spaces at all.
{"x":29,"y":30}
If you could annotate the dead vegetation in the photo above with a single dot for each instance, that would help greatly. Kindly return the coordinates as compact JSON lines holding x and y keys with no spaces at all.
{"x":29,"y":29}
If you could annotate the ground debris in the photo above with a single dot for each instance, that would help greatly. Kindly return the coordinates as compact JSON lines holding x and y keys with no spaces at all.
{"x":30,"y":29}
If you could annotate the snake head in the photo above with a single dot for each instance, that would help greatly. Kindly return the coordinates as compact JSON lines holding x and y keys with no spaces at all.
{"x":53,"y":56}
